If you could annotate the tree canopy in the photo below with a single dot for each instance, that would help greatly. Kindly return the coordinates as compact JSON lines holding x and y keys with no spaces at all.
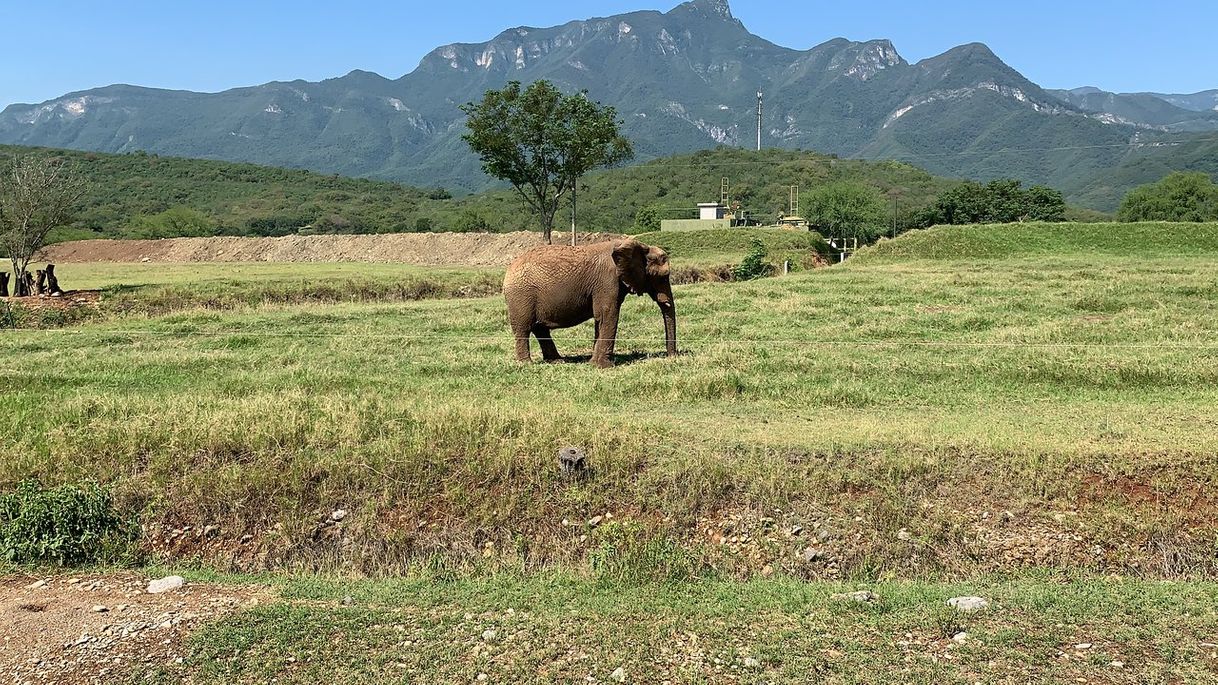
{"x":846,"y":210}
{"x":1180,"y":196}
{"x":542,"y":141}
{"x":997,"y":202}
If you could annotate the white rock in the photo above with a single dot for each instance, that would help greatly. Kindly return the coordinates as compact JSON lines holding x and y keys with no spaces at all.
{"x":968,"y":604}
{"x":100,"y":609}
{"x":860,"y":596}
{"x":489,"y":635}
{"x":960,"y":637}
{"x":166,"y":584}
{"x":338,"y":515}
{"x":619,"y":675}
{"x":1083,"y":645}
{"x":750,"y":662}
{"x":36,"y":585}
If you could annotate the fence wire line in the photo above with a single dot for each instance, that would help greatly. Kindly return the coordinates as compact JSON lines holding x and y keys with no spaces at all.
{"x":407,"y":337}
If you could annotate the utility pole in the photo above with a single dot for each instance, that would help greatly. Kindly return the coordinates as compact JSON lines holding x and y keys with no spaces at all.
{"x":759,"y":100}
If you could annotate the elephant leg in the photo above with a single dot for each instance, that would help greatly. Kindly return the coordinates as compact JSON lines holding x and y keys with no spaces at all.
{"x":520,"y":331}
{"x":606,"y":337}
{"x":549,"y":351}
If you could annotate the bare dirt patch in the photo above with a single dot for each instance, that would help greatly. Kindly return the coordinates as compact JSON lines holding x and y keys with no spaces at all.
{"x":96,"y":628}
{"x":69,"y":300}
{"x":423,"y":249}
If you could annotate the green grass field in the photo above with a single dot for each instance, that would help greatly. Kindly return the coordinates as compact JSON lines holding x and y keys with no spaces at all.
{"x":1018,"y":409}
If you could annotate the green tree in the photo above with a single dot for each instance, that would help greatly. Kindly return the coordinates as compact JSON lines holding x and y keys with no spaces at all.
{"x":648,"y":219}
{"x":541,"y":142}
{"x":847,"y":210}
{"x":1001,"y":201}
{"x":1177,"y":197}
{"x":36,"y":195}
{"x":172,"y":223}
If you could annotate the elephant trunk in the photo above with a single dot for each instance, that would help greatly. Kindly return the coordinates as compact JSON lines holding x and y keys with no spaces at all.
{"x":668,"y":308}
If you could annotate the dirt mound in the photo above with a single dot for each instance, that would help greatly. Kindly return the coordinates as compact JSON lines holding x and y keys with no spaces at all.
{"x":423,"y":249}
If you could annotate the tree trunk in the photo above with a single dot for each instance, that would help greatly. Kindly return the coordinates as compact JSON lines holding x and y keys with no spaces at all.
{"x":26,"y":285}
{"x":52,"y":282}
{"x":547,"y":225}
{"x":573,"y":213}
{"x":3,"y":284}
{"x":40,"y":282}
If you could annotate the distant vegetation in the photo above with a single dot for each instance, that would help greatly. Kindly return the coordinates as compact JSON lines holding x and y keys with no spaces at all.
{"x":145,"y":196}
{"x":1178,"y":197}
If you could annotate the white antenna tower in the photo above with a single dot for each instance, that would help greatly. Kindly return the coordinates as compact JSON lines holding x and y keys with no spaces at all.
{"x":759,"y":101}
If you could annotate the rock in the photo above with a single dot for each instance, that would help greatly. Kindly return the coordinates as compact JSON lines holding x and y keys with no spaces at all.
{"x":482,"y":677}
{"x":595,"y":521}
{"x":246,"y":538}
{"x":960,"y":637}
{"x":823,"y":534}
{"x":796,"y":530}
{"x":750,"y":662}
{"x":209,"y":531}
{"x":1083,"y":645}
{"x":571,"y":461}
{"x":618,"y":675}
{"x":860,"y":596}
{"x":166,"y":584}
{"x":489,"y":635}
{"x":100,"y":609}
{"x":338,"y":515}
{"x":812,"y":554}
{"x":968,"y":604}
{"x":36,"y":585}
{"x":348,"y":601}
{"x":904,"y":535}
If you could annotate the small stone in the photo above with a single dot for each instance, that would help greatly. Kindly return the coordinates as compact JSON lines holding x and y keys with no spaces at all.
{"x":960,"y":637}
{"x":796,"y":530}
{"x":246,"y":538}
{"x":904,"y":535}
{"x":338,"y":515}
{"x":750,"y":662}
{"x":489,"y":635}
{"x":812,"y":554}
{"x":209,"y":531}
{"x":618,"y":675}
{"x":100,"y":609}
{"x":1117,"y":664}
{"x":860,"y":596}
{"x":1083,"y":645}
{"x":482,"y":677}
{"x":36,"y":585}
{"x":595,"y":521}
{"x":968,"y":604}
{"x":348,"y":601}
{"x":166,"y":584}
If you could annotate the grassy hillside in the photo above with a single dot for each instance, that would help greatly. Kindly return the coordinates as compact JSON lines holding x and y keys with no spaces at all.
{"x":959,"y":411}
{"x":1046,"y":241}
{"x":129,"y":193}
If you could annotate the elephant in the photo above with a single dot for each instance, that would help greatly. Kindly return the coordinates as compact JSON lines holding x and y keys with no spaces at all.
{"x":555,"y":286}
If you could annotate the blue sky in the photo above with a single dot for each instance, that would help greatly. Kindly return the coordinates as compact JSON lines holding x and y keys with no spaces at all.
{"x":57,"y":46}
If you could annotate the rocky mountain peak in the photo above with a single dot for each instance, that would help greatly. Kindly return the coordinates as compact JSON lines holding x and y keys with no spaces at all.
{"x":718,"y":8}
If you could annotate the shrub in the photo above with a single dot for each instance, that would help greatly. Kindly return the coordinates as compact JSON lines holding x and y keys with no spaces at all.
{"x":1178,"y":197}
{"x":68,"y":524}
{"x":847,"y":210}
{"x":754,"y":265}
{"x":647,"y":219}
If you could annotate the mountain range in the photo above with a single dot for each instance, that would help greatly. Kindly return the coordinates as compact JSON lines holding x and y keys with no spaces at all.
{"x":681,"y":80}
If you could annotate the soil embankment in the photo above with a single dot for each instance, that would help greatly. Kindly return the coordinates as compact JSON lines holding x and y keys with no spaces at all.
{"x":423,"y":249}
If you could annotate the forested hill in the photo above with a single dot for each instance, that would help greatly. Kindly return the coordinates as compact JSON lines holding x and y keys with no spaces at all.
{"x":141,"y":195}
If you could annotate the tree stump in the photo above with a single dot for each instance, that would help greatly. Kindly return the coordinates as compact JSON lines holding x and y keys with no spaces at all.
{"x":52,"y":282}
{"x":40,"y":282}
{"x":3,"y":284}
{"x":28,"y":286}
{"x":571,"y":461}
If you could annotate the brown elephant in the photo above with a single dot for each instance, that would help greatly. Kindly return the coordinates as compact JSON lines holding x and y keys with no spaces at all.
{"x":560,"y":287}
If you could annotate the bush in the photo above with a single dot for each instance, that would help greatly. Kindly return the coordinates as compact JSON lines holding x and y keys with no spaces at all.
{"x":68,"y":524}
{"x":1178,"y":197}
{"x":754,"y":265}
{"x":647,"y":219}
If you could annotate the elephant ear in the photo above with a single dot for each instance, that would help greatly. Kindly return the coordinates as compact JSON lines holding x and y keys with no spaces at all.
{"x":630,"y":256}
